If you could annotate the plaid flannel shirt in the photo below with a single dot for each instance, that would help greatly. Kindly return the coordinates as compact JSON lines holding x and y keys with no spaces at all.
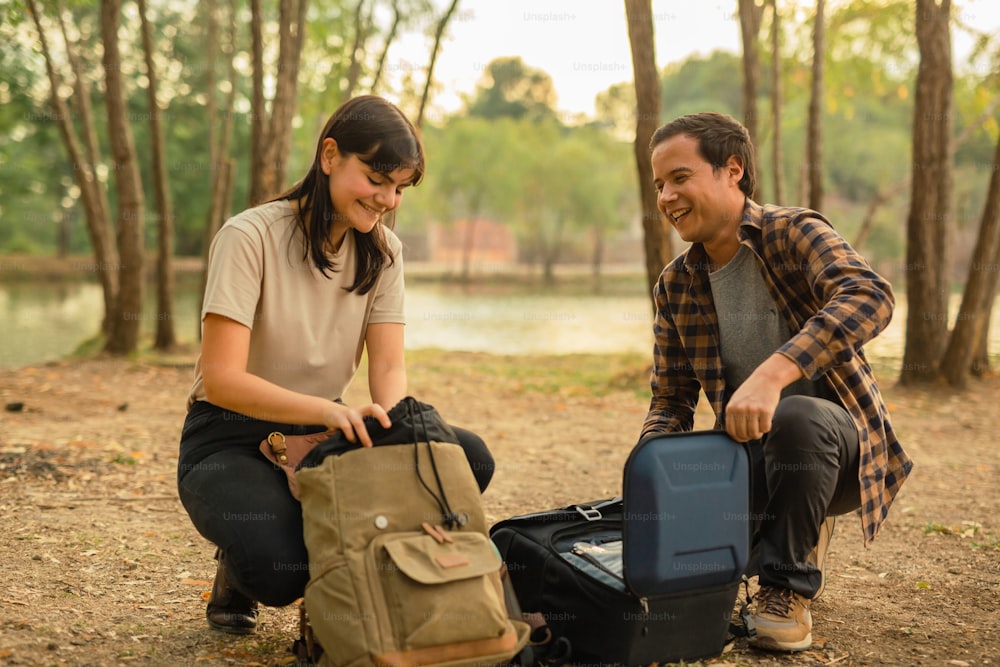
{"x":827,"y":293}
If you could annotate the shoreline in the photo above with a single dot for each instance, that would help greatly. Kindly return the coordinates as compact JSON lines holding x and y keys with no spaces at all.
{"x":26,"y":268}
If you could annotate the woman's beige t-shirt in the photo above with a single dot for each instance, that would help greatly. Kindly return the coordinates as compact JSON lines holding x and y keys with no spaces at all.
{"x":307,"y":330}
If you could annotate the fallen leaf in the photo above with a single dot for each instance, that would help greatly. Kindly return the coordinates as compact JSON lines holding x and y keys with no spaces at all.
{"x":196,"y":582}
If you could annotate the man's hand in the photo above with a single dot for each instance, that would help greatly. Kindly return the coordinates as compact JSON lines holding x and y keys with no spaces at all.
{"x":749,"y":412}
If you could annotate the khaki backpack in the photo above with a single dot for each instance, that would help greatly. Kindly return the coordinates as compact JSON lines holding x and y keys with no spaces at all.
{"x":402,"y":570}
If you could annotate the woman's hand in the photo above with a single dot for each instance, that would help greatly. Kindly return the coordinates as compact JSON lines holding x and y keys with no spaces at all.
{"x":352,"y":421}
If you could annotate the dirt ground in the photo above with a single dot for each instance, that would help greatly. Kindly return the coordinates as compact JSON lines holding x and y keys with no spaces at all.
{"x":104,"y":568}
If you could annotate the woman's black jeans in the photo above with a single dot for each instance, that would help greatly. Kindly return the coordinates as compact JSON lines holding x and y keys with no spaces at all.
{"x":240,"y":501}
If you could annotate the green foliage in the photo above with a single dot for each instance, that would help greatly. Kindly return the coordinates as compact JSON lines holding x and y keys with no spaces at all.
{"x":573,"y":181}
{"x":615,"y":110}
{"x":475,"y":175}
{"x":702,"y":84}
{"x":549,"y":182}
{"x":877,"y":156}
{"x":19,"y":243}
{"x":876,"y":32}
{"x":512,"y":89}
{"x":506,"y":157}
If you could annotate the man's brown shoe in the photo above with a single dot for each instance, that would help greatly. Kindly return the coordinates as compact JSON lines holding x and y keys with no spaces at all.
{"x":782,"y":620}
{"x":818,"y":555}
{"x":229,"y":610}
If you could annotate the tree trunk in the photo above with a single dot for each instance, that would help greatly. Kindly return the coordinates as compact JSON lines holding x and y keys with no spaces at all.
{"x":259,"y":138}
{"x":81,"y":100}
{"x":597,"y":258}
{"x":211,"y":106}
{"x":271,"y":135}
{"x":550,"y":252}
{"x":468,"y":245}
{"x":165,"y":338}
{"x":223,"y":169}
{"x":442,"y":25}
{"x":64,"y":238}
{"x":927,"y":227}
{"x":864,"y":230}
{"x":656,"y":240}
{"x":291,"y":31}
{"x":971,"y":326}
{"x":357,"y":52}
{"x":779,"y":195}
{"x":814,"y":142}
{"x":981,"y":358}
{"x":390,"y":38}
{"x":750,"y":18}
{"x":127,"y":315}
{"x":92,"y":196}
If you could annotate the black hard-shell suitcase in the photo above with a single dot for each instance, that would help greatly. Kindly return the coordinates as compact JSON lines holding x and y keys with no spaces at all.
{"x":651,"y":576}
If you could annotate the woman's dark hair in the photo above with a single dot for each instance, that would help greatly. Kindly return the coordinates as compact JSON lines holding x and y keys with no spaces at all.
{"x":378,"y":133}
{"x":719,"y":136}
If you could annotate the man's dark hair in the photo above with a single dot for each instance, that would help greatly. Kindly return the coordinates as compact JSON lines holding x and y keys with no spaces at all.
{"x":719,"y":136}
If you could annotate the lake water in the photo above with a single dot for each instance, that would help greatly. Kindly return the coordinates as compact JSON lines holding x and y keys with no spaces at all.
{"x":45,"y":321}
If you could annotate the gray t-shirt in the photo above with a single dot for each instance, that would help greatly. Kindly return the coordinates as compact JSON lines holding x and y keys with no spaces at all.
{"x":750,"y":327}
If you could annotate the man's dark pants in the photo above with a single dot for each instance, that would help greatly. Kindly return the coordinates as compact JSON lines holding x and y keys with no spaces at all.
{"x":803,"y":470}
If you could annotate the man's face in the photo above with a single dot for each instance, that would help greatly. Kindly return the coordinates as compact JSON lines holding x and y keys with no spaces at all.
{"x":701,"y":203}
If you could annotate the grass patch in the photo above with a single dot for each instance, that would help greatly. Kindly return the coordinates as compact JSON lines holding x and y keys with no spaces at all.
{"x":568,"y":281}
{"x":971,"y":530}
{"x":89,"y":347}
{"x":990,"y":543}
{"x":123,"y":459}
{"x":563,"y":375}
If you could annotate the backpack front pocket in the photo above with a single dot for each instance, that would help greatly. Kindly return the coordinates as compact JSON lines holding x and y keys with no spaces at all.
{"x":439,"y":592}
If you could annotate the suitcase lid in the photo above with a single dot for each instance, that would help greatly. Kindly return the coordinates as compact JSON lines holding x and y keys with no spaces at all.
{"x":686,"y":512}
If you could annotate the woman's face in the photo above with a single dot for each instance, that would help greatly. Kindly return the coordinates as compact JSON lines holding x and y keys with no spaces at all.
{"x":360,"y":194}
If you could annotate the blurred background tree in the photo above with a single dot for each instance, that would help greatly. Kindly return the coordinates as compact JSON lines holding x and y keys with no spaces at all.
{"x":565,"y":188}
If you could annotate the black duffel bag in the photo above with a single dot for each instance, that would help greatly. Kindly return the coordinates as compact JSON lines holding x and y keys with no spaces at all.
{"x":651,"y":576}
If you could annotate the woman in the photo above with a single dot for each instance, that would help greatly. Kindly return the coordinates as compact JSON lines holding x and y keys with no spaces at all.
{"x":297,"y":288}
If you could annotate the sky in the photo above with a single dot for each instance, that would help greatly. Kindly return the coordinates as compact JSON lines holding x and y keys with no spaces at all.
{"x":583,"y":44}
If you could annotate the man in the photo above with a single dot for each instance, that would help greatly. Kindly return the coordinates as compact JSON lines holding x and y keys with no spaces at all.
{"x":767,"y":312}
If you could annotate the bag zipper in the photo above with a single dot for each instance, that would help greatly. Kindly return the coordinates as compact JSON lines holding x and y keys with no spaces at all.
{"x":589,"y":557}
